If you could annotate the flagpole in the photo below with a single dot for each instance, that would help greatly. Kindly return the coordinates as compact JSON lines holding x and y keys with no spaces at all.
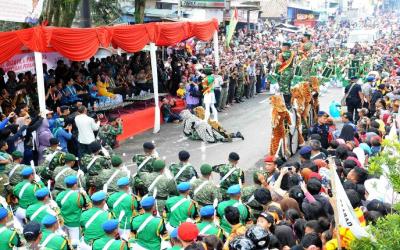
{"x":332,"y":168}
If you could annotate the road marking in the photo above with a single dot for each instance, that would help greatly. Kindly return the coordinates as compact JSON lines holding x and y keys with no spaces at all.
{"x":203,"y":151}
{"x":182,"y":139}
{"x":263,"y":101}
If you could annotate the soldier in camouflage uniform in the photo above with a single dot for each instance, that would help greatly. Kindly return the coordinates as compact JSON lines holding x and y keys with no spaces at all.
{"x":5,"y":159}
{"x":285,"y":71}
{"x":53,"y":157}
{"x":183,"y":171}
{"x":13,"y":169}
{"x":306,"y":63}
{"x":204,"y":191}
{"x":92,"y":164}
{"x":230,"y":174}
{"x":107,"y":178}
{"x":60,"y":173}
{"x":109,"y":132}
{"x":145,"y":161}
{"x":240,"y":84}
{"x":157,"y":181}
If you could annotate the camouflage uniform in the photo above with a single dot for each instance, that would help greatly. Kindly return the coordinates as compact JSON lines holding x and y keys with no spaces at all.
{"x":286,"y":76}
{"x":147,"y":167}
{"x":306,"y":63}
{"x":233,"y":178}
{"x":100,"y":163}
{"x":14,"y":177}
{"x":4,"y":182}
{"x":105,"y":176}
{"x":186,"y":175}
{"x":207,"y":194}
{"x":52,"y":159}
{"x":108,"y":134}
{"x":240,"y":85}
{"x":61,"y":173}
{"x":248,"y":199}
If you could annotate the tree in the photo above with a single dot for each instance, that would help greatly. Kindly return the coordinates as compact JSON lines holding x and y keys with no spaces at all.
{"x":140,"y":6}
{"x":60,"y":13}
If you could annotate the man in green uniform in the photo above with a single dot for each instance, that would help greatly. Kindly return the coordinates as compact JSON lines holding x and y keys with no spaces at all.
{"x":240,"y":84}
{"x":144,"y":161}
{"x":183,"y":171}
{"x":8,"y":238}
{"x":306,"y":62}
{"x":92,"y":219}
{"x":25,"y":191}
{"x":5,"y":159}
{"x":285,"y":71}
{"x":234,"y":194}
{"x":61,"y":172}
{"x":51,"y":240}
{"x":108,"y":133}
{"x":180,"y":208}
{"x":41,"y":208}
{"x":110,"y":241}
{"x":107,"y":178}
{"x":157,"y":184}
{"x":147,"y":228}
{"x":124,"y":206}
{"x":204,"y":191}
{"x":53,"y":157}
{"x":71,"y":202}
{"x":206,"y":226}
{"x":230,"y":173}
{"x":13,"y":169}
{"x":174,"y":240}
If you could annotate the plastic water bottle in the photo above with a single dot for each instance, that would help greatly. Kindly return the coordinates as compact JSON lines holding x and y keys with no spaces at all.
{"x":89,"y":106}
{"x":95,"y":106}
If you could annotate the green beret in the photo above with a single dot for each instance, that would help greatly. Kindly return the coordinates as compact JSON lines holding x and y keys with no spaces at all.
{"x":17,"y":154}
{"x":287,"y":44}
{"x":307,"y":35}
{"x":116,"y":160}
{"x":70,"y":157}
{"x":205,"y":169}
{"x":158,"y":165}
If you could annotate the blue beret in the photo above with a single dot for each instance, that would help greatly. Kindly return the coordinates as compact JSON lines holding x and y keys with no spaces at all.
{"x":370,"y":78}
{"x":234,"y":189}
{"x":42,"y":192}
{"x":49,"y":220}
{"x":183,"y":186}
{"x":207,"y":211}
{"x":147,"y":202}
{"x":27,"y":171}
{"x":305,"y":150}
{"x":124,"y":181}
{"x":98,"y":196}
{"x":174,"y":233}
{"x":3,"y":213}
{"x":110,"y":226}
{"x":71,"y":180}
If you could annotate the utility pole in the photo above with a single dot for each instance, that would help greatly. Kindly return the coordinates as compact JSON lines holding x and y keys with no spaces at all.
{"x":85,"y":14}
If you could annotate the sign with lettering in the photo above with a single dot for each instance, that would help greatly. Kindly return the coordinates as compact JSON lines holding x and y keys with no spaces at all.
{"x":203,"y":3}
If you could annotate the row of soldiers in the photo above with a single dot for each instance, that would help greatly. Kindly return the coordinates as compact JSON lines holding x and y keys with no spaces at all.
{"x":101,"y":190}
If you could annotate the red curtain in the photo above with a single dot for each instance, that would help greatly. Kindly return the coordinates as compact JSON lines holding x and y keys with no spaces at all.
{"x":80,"y":44}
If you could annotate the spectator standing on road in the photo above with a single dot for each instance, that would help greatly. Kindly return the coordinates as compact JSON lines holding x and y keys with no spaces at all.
{"x":354,"y":97}
{"x":86,"y":127}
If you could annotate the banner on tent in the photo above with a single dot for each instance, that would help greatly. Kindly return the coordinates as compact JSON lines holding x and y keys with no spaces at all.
{"x":21,"y":11}
{"x":26,"y":62}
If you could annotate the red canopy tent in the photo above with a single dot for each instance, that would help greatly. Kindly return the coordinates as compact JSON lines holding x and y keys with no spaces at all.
{"x":79,"y":44}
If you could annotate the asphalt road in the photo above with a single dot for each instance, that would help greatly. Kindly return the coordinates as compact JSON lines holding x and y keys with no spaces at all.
{"x":252,"y":118}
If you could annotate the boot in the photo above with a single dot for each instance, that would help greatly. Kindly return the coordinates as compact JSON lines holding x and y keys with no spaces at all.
{"x":239,"y":135}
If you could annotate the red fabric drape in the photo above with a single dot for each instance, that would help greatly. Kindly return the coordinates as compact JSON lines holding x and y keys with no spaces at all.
{"x":80,"y":44}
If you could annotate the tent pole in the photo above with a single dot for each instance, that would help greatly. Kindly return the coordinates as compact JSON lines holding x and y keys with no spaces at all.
{"x":153,"y":49}
{"x":216,"y":49}
{"x":40,"y":80}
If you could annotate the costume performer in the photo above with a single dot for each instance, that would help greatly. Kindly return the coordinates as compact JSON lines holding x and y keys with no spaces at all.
{"x":198,"y":129}
{"x":280,"y":116}
{"x":208,"y":93}
{"x":285,"y":71}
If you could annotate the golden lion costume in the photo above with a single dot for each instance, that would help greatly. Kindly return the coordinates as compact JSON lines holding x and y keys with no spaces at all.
{"x":298,"y":102}
{"x":280,"y":116}
{"x":306,"y":93}
{"x":314,"y":101}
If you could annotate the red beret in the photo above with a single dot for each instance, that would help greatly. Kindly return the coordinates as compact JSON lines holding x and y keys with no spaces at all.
{"x":269,"y":158}
{"x":315,"y":175}
{"x":188,"y":231}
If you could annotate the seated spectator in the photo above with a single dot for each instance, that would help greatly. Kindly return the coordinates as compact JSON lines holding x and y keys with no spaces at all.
{"x":69,"y":93}
{"x":167,"y":113}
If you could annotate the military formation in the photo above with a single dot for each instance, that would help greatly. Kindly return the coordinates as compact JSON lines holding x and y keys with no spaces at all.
{"x":97,"y":203}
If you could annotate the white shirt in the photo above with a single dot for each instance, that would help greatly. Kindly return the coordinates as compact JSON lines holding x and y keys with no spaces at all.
{"x":218,"y":81}
{"x":86,"y":125}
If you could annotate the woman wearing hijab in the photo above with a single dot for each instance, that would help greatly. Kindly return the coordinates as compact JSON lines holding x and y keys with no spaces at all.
{"x":63,"y":135}
{"x":347,"y":133}
{"x":285,"y":236}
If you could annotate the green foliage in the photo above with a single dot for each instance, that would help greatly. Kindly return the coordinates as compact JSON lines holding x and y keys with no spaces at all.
{"x":103,"y":12}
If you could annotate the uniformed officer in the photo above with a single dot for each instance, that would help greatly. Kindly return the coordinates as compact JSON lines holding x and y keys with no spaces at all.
{"x":108,"y":132}
{"x":110,"y":240}
{"x":13,"y":169}
{"x":230,"y":173}
{"x":61,"y":172}
{"x":234,"y":194}
{"x":8,"y":238}
{"x":5,"y":159}
{"x":183,"y":171}
{"x":180,"y":208}
{"x":38,"y":210}
{"x":124,"y":206}
{"x":92,"y":219}
{"x":107,"y":178}
{"x":285,"y":70}
{"x":206,"y":225}
{"x":53,"y":157}
{"x":72,"y":201}
{"x":33,"y":234}
{"x":204,"y":191}
{"x":147,"y":228}
{"x":51,"y":240}
{"x":25,"y":191}
{"x":174,"y":240}
{"x":145,"y":161}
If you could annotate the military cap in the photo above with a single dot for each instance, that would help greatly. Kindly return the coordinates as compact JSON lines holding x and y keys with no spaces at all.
{"x":183,"y":155}
{"x":42,"y":192}
{"x":27,"y":171}
{"x":174,"y":233}
{"x":269,"y":158}
{"x":124,"y":181}
{"x":287,"y":44}
{"x":307,"y":35}
{"x":98,"y":196}
{"x":17,"y":154}
{"x":207,"y":211}
{"x":158,"y":165}
{"x":147,"y":202}
{"x":234,"y":156}
{"x":54,"y":141}
{"x":370,"y":78}
{"x":71,"y":180}
{"x":183,"y":186}
{"x":322,"y":113}
{"x":148,"y":145}
{"x":3,"y":213}
{"x":188,"y":231}
{"x":234,"y":189}
{"x":305,"y":150}
{"x":32,"y":231}
{"x":94,"y":146}
{"x":205,"y":169}
{"x":110,"y":225}
{"x":70,"y":157}
{"x":49,"y":220}
{"x":116,"y":160}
